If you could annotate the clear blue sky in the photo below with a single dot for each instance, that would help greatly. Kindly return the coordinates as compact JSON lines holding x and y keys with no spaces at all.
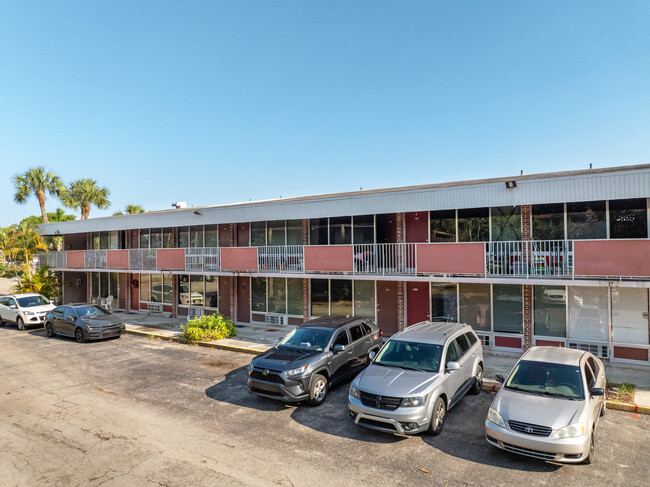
{"x":218,"y":102}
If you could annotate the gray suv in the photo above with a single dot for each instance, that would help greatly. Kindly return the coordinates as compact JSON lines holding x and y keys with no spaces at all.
{"x":313,"y":357}
{"x":417,"y":376}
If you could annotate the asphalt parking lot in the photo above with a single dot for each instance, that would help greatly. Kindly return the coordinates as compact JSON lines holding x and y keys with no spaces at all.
{"x":135,"y":411}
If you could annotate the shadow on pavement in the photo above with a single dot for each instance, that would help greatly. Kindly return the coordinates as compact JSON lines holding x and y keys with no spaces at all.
{"x":464,"y":437}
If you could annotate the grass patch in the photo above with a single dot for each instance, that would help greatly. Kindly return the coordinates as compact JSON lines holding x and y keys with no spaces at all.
{"x":208,"y":328}
{"x":621,"y":392}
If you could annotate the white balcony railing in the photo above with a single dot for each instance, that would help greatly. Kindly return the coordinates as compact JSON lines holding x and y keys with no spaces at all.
{"x":95,"y":259}
{"x":142,"y":259}
{"x":542,"y":258}
{"x":280,"y":258}
{"x":202,"y":259}
{"x":385,"y":259}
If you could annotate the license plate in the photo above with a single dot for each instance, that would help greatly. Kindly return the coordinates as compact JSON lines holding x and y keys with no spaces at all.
{"x":110,"y":333}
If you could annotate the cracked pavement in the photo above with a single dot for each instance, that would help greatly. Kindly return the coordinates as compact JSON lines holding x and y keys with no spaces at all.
{"x":135,"y":411}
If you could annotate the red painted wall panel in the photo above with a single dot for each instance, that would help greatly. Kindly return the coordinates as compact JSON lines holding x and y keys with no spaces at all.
{"x":117,"y":259}
{"x":452,"y":258}
{"x":336,"y":258}
{"x":417,"y":226}
{"x":612,"y":258}
{"x":75,"y":258}
{"x":507,"y":342}
{"x":170,"y":259}
{"x":631,"y":353}
{"x":239,"y":259}
{"x":548,"y":343}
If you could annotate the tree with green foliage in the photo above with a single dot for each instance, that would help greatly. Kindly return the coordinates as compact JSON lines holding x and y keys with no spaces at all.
{"x":8,"y":247}
{"x":37,"y":181}
{"x":29,"y":244}
{"x":43,"y":281}
{"x":52,"y":242}
{"x":130,"y":210}
{"x":83,"y":193}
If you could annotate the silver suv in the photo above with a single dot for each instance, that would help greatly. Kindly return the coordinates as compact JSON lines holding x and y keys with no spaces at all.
{"x":24,"y":309}
{"x":416,"y":377}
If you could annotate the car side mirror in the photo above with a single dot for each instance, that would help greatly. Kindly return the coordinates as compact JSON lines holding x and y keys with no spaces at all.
{"x":13,"y":306}
{"x":339,"y":348}
{"x":500,"y":378}
{"x":453,"y":365}
{"x":372,"y":355}
{"x":597,"y":392}
{"x":73,"y":318}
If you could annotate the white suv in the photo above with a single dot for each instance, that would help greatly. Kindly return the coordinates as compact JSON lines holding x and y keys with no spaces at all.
{"x":416,"y":377}
{"x":24,"y":309}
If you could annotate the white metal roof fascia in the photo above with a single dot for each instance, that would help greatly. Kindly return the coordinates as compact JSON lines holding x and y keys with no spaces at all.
{"x":583,"y":186}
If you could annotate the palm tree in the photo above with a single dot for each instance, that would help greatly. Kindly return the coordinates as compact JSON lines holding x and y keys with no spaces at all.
{"x":37,"y":181}
{"x":29,"y":244}
{"x":8,"y":247}
{"x":130,"y":210}
{"x":42,"y":281}
{"x":83,"y":193}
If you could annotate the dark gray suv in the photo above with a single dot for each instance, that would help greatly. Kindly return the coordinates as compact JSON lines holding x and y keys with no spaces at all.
{"x":313,"y":357}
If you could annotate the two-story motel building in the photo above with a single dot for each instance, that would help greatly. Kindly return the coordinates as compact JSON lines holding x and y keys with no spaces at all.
{"x":548,"y":259}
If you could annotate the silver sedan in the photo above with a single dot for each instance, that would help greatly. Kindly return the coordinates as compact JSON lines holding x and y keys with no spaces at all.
{"x":549,"y":405}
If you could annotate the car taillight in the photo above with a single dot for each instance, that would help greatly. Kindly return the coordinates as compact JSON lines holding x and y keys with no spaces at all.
{"x":381,"y":333}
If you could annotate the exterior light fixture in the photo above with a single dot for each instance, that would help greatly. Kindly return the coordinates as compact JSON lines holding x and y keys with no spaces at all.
{"x":197,"y":212}
{"x":511,"y":184}
{"x":58,"y":232}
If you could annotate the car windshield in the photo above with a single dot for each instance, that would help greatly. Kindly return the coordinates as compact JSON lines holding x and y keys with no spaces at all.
{"x":410,"y":355}
{"x":30,"y":301}
{"x":547,"y":379}
{"x":90,"y":311}
{"x":307,"y":339}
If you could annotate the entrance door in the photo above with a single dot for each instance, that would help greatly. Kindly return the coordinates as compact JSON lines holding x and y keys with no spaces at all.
{"x":417,"y":302}
{"x":244,"y":299}
{"x":387,"y":315}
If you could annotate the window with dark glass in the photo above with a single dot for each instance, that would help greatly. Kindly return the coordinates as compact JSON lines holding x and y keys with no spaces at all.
{"x":212,"y":291}
{"x":364,"y":299}
{"x":475,"y":306}
{"x":156,"y":288}
{"x":444,"y":301}
{"x":156,"y":241}
{"x":276,"y":232}
{"x":319,"y":297}
{"x":197,"y":293}
{"x":95,"y":239}
{"x":103,"y":240}
{"x":364,"y":229}
{"x":342,"y":338}
{"x":357,"y":332}
{"x":548,"y":222}
{"x":196,"y":236}
{"x":318,"y":231}
{"x":183,"y":237}
{"x":258,"y":234}
{"x":474,"y":225}
{"x":294,"y":232}
{"x":294,"y":296}
{"x":145,"y":289}
{"x":144,"y":238}
{"x":550,"y":311}
{"x":443,"y":226}
{"x":506,"y":223}
{"x":341,"y":297}
{"x":211,"y":236}
{"x":628,"y":218}
{"x":258,"y":294}
{"x":167,"y":237}
{"x":167,"y":289}
{"x":341,"y":230}
{"x":586,"y":220}
{"x":508,"y":308}
{"x":277,"y":295}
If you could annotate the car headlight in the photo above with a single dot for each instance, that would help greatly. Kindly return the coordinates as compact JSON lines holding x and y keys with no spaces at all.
{"x":354,"y":392}
{"x":571,"y":431}
{"x":293,"y":372}
{"x":495,"y":417}
{"x":30,"y":313}
{"x":250,"y":366}
{"x":89,"y":327}
{"x":409,"y":402}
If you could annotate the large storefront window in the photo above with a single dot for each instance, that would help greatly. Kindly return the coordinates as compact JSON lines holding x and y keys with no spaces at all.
{"x":586,"y":220}
{"x":630,"y":316}
{"x":294,"y":296}
{"x":145,"y":288}
{"x":364,"y":299}
{"x":474,"y":225}
{"x":196,"y":291}
{"x":341,"y":297}
{"x":550,"y":311}
{"x":192,"y":290}
{"x":258,"y":294}
{"x":588,"y":312}
{"x":320,"y":297}
{"x":548,"y":222}
{"x":444,"y":302}
{"x":104,"y":284}
{"x":364,"y":229}
{"x":475,"y":306}
{"x":506,"y":223}
{"x":628,"y":218}
{"x":156,"y":288}
{"x":443,"y":226}
{"x":277,"y":292}
{"x":212,"y":291}
{"x":507,"y":303}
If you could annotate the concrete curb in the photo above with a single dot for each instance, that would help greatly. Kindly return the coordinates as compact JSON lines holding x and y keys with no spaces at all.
{"x":494,"y":386}
{"x":220,"y":346}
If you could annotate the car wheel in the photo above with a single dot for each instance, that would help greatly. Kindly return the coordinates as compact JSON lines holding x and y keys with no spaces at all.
{"x":438,"y":417}
{"x":49,"y":331}
{"x":478,"y":381}
{"x":318,"y":390}
{"x":20,"y":323}
{"x":79,"y":335}
{"x":590,"y":457}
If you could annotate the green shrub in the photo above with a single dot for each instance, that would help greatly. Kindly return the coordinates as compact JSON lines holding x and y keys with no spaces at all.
{"x":208,"y":328}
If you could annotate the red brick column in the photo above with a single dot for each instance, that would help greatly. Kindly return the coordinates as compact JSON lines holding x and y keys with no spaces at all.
{"x":305,"y":231}
{"x":124,"y":290}
{"x":233,"y":293}
{"x":89,"y":283}
{"x":306,"y":315}
{"x":526,"y":236}
{"x":401,"y":312}
{"x":174,"y":244}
